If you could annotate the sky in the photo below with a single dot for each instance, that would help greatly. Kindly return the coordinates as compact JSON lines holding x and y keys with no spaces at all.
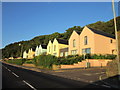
{"x":26,"y":20}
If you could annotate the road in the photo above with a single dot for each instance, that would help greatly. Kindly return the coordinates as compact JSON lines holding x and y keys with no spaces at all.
{"x":16,"y":77}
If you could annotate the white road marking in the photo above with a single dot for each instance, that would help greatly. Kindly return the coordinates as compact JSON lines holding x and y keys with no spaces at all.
{"x":106,"y":86}
{"x":15,"y":74}
{"x":29,"y":85}
{"x":8,"y":69}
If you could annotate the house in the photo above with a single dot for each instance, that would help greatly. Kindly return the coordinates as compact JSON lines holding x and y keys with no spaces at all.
{"x":57,"y":45}
{"x":36,"y":51}
{"x":50,"y":47}
{"x":74,"y":43}
{"x":64,"y":52}
{"x":25,"y":55}
{"x":42,"y":49}
{"x":31,"y":53}
{"x":96,"y":42}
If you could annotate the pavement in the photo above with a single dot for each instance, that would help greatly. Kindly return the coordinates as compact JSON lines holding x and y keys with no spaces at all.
{"x":73,"y":78}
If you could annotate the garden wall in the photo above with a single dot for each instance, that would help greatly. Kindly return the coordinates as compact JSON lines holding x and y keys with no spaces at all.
{"x":83,"y":64}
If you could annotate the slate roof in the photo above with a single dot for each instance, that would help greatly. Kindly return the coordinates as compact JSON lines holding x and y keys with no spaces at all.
{"x":44,"y":46}
{"x":78,"y":32}
{"x":102,"y":33}
{"x":62,"y":41}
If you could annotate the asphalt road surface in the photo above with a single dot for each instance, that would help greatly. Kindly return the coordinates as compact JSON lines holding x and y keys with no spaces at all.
{"x":15,"y":77}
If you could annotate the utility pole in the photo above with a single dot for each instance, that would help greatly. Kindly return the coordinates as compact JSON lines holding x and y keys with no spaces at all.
{"x":116,"y":35}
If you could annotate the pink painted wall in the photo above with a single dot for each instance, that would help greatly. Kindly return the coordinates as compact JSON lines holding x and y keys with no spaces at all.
{"x":93,"y":63}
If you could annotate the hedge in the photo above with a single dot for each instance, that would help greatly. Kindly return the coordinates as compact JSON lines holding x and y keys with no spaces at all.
{"x":16,"y":61}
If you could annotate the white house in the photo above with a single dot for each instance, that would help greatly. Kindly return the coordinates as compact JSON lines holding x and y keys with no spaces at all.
{"x":25,"y":55}
{"x":36,"y":51}
{"x":42,"y":49}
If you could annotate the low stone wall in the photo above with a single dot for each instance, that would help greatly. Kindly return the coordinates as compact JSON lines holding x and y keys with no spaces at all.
{"x":83,"y":64}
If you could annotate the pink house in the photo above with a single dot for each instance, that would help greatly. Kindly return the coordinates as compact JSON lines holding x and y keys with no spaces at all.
{"x":91,"y":41}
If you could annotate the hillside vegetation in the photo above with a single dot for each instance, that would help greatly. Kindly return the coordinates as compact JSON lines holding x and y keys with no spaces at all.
{"x":14,"y":50}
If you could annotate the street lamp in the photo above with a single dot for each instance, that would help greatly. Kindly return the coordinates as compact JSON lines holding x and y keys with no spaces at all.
{"x":20,"y":50}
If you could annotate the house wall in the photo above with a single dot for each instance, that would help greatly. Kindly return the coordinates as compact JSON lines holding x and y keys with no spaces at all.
{"x":58,"y":47}
{"x":31,"y":54}
{"x":61,"y":46}
{"x":64,"y":52}
{"x":99,"y":44}
{"x":103,"y":44}
{"x":41,"y":50}
{"x":25,"y":54}
{"x":73,"y":36}
{"x":50,"y":44}
{"x":56,"y":51}
{"x":90,"y":35}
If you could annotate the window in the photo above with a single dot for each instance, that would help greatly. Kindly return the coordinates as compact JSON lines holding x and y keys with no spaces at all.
{"x":49,"y":48}
{"x":54,"y":47}
{"x":85,"y":40}
{"x":111,"y":41}
{"x":66,"y":54}
{"x":86,"y":51}
{"x":74,"y":43}
{"x":61,"y":54}
{"x":73,"y":52}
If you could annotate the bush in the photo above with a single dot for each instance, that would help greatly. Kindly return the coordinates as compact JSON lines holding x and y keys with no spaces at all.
{"x":68,"y":61}
{"x":17,"y":61}
{"x":45,"y":61}
{"x":29,"y":62}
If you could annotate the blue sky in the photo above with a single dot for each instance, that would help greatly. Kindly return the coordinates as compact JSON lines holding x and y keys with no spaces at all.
{"x":26,"y":20}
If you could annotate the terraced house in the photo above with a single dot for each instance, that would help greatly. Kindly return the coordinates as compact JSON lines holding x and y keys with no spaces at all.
{"x":31,"y":53}
{"x":91,"y":41}
{"x":54,"y":47}
{"x":50,"y":47}
{"x":59,"y":44}
{"x":74,"y":43}
{"x":41,"y":49}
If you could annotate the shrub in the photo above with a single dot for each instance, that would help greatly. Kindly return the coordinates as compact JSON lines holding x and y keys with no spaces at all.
{"x":45,"y":61}
{"x":16,"y":61}
{"x":29,"y":61}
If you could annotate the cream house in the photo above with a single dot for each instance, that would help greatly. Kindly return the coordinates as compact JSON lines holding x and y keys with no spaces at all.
{"x":57,"y":45}
{"x":31,"y":53}
{"x":50,"y":47}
